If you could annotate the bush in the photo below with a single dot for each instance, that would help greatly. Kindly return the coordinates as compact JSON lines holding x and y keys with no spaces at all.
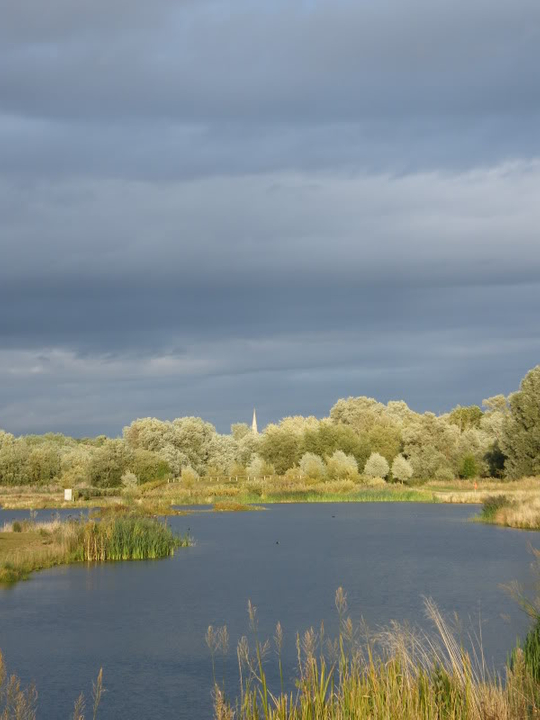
{"x":376,"y":466}
{"x":16,"y":527}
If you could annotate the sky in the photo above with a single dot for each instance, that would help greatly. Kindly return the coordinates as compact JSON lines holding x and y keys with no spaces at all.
{"x":211,"y":205}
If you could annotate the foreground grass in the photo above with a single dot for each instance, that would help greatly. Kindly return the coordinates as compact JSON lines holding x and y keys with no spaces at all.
{"x":396,"y":673}
{"x":29,"y":546}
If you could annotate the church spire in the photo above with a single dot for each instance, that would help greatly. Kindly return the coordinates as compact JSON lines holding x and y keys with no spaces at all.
{"x":254,"y":423}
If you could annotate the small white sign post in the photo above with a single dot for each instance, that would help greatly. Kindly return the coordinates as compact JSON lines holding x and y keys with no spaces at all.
{"x":68,"y":494}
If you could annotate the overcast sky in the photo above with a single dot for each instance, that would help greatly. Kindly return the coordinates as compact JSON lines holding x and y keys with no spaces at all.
{"x":211,"y":205}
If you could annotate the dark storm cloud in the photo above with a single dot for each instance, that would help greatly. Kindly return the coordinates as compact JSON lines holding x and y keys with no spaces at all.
{"x":206,"y":205}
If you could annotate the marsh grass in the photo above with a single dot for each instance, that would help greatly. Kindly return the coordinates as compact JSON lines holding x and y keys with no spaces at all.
{"x":395,"y":673}
{"x":43,"y":545}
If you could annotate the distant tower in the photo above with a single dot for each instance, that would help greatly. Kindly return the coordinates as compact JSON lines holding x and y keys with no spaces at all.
{"x":254,"y":423}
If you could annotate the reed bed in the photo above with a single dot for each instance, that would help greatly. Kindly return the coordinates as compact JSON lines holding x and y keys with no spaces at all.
{"x":395,"y":673}
{"x":125,"y":538}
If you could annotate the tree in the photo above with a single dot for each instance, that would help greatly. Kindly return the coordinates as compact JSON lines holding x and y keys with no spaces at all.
{"x":465,"y":417}
{"x":258,"y":467}
{"x":377,"y":466}
{"x":129,"y":481}
{"x":385,"y":439}
{"x":280,"y":448}
{"x":361,"y":413}
{"x":148,"y":466}
{"x":402,"y":470}
{"x":520,"y":440}
{"x":43,"y":463}
{"x":108,"y":463}
{"x":431,"y":444}
{"x":312,"y":466}
{"x":468,"y":468}
{"x":495,"y":460}
{"x":14,"y":462}
{"x":239,"y":430}
{"x":341,"y":466}
{"x":247,"y":447}
{"x":329,"y":437}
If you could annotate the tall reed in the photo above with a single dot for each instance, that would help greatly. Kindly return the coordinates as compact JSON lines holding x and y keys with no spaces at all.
{"x":394,"y":674}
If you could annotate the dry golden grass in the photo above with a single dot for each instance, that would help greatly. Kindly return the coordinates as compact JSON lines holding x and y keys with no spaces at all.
{"x":522,"y":514}
{"x":469,"y":491}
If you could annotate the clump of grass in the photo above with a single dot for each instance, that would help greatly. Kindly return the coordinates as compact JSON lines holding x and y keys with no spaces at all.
{"x":126,"y":538}
{"x":492,"y":505}
{"x":396,"y":673}
{"x":230,"y":506}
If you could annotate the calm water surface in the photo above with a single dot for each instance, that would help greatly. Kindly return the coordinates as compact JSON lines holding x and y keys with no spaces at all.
{"x":145,"y":622}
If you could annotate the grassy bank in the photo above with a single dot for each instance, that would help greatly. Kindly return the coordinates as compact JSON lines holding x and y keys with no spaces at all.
{"x":159,"y":498}
{"x":395,"y":673}
{"x":28,"y":546}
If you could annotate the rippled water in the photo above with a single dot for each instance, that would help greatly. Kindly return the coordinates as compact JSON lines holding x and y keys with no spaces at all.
{"x":145,"y":622}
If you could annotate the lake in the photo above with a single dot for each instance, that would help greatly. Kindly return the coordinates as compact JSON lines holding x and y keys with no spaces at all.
{"x":145,"y":622}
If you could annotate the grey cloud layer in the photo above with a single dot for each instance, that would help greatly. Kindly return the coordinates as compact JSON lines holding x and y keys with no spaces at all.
{"x":204,"y":205}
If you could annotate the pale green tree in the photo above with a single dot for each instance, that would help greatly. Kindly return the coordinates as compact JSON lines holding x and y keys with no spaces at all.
{"x":329,"y":436}
{"x":312,"y":466}
{"x":376,"y":466}
{"x":298,"y":424}
{"x":341,"y":466}
{"x":239,"y":430}
{"x":402,"y":469}
{"x":247,"y":447}
{"x":129,"y":480}
{"x":259,"y":467}
{"x":222,"y":453}
{"x":431,"y":444}
{"x":361,"y":413}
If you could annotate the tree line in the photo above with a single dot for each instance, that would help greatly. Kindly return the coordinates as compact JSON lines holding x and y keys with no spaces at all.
{"x":360,"y":437}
